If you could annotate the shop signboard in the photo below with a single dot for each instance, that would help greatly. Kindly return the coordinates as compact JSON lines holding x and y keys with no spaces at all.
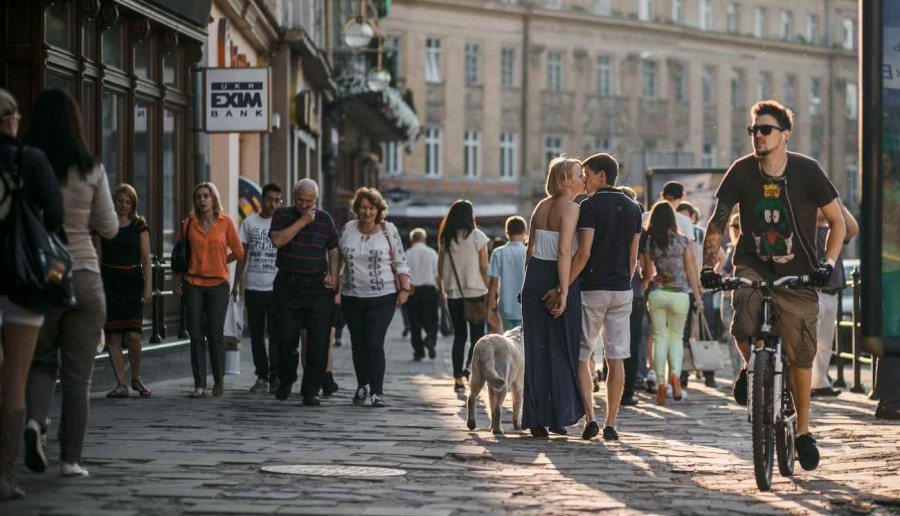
{"x":237,"y":100}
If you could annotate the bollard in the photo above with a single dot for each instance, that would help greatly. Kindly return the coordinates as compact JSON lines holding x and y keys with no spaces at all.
{"x":839,"y":382}
{"x":857,"y":380}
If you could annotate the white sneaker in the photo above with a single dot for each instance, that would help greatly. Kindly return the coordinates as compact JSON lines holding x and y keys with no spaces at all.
{"x":651,"y":381}
{"x":72,"y":469}
{"x":669,"y":391}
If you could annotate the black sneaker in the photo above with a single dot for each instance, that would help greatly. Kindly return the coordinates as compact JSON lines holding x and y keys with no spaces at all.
{"x":311,"y":401}
{"x":559,"y":430}
{"x":610,"y":434}
{"x":432,"y":353}
{"x":825,"y":392}
{"x":360,"y":397}
{"x":539,"y":431}
{"x":459,"y":388}
{"x":807,"y":452}
{"x":378,"y":401}
{"x":591,"y":429}
{"x":329,"y":386}
{"x":596,"y":386}
{"x":417,"y":357}
{"x":283,"y":392}
{"x":710,"y":381}
{"x":34,"y":451}
{"x":886,"y":414}
{"x":629,"y":401}
{"x":739,"y":388}
{"x":274,"y":385}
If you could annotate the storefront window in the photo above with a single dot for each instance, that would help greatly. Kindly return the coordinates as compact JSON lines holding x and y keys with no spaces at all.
{"x":57,"y":82}
{"x":111,"y":43}
{"x":143,"y":118}
{"x":170,"y":69}
{"x":88,"y":108}
{"x":56,"y":25}
{"x":88,"y":39}
{"x":112,"y":136}
{"x":142,"y":59}
{"x":170,"y":172}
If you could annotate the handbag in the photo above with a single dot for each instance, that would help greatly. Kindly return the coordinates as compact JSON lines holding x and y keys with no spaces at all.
{"x":397,"y":284}
{"x":446,"y":326}
{"x":181,"y":253}
{"x":474,"y":310}
{"x":706,"y":352}
{"x":37,"y":268}
{"x":233,"y":330}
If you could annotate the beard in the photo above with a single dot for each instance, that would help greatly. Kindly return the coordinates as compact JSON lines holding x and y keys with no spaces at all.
{"x":761,"y":153}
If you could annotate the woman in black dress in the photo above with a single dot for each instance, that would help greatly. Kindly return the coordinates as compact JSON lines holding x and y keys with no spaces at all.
{"x":125,"y":265}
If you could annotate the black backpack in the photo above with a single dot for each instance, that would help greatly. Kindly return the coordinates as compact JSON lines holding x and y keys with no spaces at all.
{"x":36,"y":267}
{"x":181,"y":253}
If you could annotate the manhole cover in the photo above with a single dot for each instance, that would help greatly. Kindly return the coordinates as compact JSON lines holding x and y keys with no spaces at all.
{"x":334,"y":471}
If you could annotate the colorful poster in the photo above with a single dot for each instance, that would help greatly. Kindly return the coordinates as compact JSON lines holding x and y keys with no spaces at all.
{"x":249,"y":198}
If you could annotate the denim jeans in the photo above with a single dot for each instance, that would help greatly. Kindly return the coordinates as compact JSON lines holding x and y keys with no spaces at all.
{"x":368,"y":319}
{"x":206,"y":308}
{"x":260,"y":316}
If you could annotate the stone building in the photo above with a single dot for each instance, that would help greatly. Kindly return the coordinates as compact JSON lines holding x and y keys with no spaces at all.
{"x":503,"y":85}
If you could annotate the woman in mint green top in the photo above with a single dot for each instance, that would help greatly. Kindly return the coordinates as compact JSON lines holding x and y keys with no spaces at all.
{"x":670,"y":271}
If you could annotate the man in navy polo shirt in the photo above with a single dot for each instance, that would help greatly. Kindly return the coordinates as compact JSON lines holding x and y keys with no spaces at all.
{"x":304,"y":288}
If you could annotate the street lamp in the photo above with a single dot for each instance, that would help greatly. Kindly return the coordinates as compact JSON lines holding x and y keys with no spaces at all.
{"x":378,"y":78}
{"x":359,"y":31}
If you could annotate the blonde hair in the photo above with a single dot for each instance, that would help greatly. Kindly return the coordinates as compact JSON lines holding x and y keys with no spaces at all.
{"x":129,"y":191}
{"x":213,"y":191}
{"x":558,"y":172}
{"x":373,"y":196}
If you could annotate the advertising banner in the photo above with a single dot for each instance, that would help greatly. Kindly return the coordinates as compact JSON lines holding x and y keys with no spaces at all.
{"x":237,"y":100}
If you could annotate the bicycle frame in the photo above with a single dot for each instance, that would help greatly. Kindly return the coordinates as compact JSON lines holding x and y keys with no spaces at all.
{"x":767,"y":337}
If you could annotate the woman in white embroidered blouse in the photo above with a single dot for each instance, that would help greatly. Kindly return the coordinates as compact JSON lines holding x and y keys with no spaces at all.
{"x":374,"y":282}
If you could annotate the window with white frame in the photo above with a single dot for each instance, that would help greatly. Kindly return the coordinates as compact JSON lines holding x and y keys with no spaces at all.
{"x":737,"y":89}
{"x":709,"y":86}
{"x":394,"y":47}
{"x":677,"y":12}
{"x":601,"y":144}
{"x":790,"y":95}
{"x":393,"y":158}
{"x":787,"y":25}
{"x":554,"y":71}
{"x":815,"y":96}
{"x":759,"y":22}
{"x":433,"y":65}
{"x":472,"y":153}
{"x":709,"y":155}
{"x":603,"y":7}
{"x":553,"y":4}
{"x":507,"y":155}
{"x":849,"y":39}
{"x":645,"y":9}
{"x":604,"y":76}
{"x":552,"y":147}
{"x":681,"y":93}
{"x":649,"y":80}
{"x":732,"y":18}
{"x":473,"y":64}
{"x":508,"y":67}
{"x":705,"y":11}
{"x":812,"y":29}
{"x":763,"y":88}
{"x":852,"y":97}
{"x":433,"y":154}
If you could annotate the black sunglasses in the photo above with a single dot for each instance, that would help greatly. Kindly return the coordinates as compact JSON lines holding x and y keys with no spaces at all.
{"x":765,"y":129}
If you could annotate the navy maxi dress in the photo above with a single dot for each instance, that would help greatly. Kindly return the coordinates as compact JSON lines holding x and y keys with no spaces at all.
{"x":551,"y":351}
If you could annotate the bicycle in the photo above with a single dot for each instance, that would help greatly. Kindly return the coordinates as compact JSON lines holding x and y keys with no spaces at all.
{"x":773,"y":418}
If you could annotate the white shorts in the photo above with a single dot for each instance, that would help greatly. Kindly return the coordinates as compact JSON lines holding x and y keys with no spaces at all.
{"x":608,"y":312}
{"x":11,"y":313}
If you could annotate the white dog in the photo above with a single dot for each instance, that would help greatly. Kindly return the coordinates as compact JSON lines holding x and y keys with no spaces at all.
{"x":499,"y":361}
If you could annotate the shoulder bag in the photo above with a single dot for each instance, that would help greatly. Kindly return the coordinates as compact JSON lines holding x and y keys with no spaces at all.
{"x":706,"y":352}
{"x":181,"y":253}
{"x":474,"y":310}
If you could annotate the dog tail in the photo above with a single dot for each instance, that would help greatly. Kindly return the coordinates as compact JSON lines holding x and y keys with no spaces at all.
{"x":495,"y":364}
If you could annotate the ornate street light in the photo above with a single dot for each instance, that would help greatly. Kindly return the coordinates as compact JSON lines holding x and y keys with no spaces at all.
{"x":359,"y":31}
{"x":378,"y":78}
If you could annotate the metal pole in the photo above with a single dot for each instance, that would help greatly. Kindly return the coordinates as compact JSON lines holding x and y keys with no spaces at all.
{"x":156,"y":313}
{"x":875,"y":395}
{"x":839,"y":382}
{"x":857,"y":381}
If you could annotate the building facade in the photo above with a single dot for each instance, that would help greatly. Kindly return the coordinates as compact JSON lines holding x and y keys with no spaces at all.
{"x":505,"y":85}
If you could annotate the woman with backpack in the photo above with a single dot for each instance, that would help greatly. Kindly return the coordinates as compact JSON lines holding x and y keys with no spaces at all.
{"x":68,"y":340}
{"x":21,"y":324}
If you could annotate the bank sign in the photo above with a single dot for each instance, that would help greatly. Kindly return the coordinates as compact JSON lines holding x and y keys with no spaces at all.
{"x":237,"y":100}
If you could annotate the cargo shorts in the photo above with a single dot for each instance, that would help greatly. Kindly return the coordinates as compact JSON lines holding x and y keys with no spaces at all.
{"x":795,"y":318}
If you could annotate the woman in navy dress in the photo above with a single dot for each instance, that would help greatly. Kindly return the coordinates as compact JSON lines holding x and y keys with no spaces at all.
{"x":552,"y":398}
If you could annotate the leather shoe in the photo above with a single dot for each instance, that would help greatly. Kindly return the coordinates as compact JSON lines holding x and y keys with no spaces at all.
{"x":889,"y":415}
{"x":283,"y":392}
{"x":311,"y":401}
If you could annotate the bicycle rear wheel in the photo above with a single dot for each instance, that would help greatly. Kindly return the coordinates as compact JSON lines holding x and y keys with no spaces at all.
{"x":762,"y":417}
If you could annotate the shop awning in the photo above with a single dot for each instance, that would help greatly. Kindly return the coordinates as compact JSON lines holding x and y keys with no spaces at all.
{"x":383,"y":115}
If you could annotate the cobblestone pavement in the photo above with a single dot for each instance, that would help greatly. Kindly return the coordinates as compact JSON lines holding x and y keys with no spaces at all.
{"x":173,"y":455}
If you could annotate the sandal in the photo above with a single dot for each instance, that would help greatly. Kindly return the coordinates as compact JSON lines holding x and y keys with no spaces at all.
{"x":197,"y":393}
{"x":138,"y":386}
{"x":119,"y":392}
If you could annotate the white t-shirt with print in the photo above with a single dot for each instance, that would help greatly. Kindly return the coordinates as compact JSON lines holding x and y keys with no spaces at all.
{"x":262,"y":253}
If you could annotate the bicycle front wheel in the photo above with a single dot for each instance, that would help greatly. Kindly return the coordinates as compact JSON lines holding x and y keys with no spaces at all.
{"x":762,"y":417}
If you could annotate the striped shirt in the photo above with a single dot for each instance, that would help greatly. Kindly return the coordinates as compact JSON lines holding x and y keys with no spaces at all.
{"x":306,"y":253}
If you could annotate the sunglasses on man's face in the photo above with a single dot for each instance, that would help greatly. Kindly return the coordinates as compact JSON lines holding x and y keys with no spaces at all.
{"x":765,"y":129}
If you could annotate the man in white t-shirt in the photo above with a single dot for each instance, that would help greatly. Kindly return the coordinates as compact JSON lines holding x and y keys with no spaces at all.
{"x":257,"y":270}
{"x":423,"y":302}
{"x":673,"y":193}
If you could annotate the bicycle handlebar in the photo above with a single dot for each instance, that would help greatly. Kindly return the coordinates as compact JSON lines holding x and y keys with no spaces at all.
{"x":735,"y":283}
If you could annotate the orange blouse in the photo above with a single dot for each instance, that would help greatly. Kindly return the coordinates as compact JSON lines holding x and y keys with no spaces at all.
{"x":209,"y":251}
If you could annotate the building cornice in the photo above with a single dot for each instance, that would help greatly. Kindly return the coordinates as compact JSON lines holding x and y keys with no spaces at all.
{"x":253,"y":20}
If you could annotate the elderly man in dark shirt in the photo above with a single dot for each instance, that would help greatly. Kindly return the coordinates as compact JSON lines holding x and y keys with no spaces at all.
{"x":304,"y":288}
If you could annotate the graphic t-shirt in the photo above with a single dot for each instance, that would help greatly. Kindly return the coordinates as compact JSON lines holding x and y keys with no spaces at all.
{"x":669,"y":262}
{"x":262,"y":253}
{"x":778,"y":215}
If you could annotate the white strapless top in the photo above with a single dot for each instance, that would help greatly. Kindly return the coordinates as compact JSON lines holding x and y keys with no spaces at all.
{"x":546,"y":245}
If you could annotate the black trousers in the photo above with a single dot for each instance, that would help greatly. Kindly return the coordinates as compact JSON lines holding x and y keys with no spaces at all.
{"x":205,"y":307}
{"x":302,"y":302}
{"x":423,"y":315}
{"x":368,"y":319}
{"x":460,"y":328}
{"x":260,"y":316}
{"x":631,"y":363}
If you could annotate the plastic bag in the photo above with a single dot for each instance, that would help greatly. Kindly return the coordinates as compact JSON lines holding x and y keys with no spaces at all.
{"x":234,"y":324}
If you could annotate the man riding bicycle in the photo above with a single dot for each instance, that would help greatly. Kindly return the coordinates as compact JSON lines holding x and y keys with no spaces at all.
{"x":778,"y":194}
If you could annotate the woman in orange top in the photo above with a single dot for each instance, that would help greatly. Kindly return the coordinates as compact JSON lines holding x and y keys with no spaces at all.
{"x":210,"y":235}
